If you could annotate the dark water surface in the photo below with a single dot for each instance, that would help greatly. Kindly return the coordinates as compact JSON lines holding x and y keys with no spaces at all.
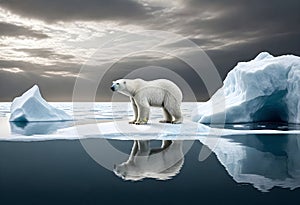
{"x":61,"y":172}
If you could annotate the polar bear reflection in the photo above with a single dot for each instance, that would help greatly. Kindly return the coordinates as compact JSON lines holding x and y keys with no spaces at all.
{"x":145,"y":162}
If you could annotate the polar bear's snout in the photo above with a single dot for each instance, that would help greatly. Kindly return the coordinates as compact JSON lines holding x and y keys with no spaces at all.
{"x":120,"y":170}
{"x":113,"y":88}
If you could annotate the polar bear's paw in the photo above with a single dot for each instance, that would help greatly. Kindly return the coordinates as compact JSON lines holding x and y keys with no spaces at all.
{"x":132,"y":122}
{"x":165,"y":121}
{"x":140,"y":122}
{"x":176,"y":122}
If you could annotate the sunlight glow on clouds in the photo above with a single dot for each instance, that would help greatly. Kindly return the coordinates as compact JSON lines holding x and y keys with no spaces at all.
{"x":12,"y":70}
{"x":60,"y":73}
{"x":77,"y":40}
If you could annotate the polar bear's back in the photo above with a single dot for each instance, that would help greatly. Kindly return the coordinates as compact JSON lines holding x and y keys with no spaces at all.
{"x":163,"y":86}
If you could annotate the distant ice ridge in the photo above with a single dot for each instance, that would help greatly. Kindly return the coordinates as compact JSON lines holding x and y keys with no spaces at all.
{"x":31,"y":107}
{"x":264,"y":89}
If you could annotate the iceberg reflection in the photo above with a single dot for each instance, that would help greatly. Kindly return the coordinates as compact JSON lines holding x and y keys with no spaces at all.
{"x":145,"y":162}
{"x":265,"y":161}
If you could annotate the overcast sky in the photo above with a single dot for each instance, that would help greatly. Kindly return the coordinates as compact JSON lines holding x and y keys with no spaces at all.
{"x":47,"y":42}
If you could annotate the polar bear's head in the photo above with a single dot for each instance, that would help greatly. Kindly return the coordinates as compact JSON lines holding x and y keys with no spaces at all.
{"x":128,"y":171}
{"x":118,"y":85}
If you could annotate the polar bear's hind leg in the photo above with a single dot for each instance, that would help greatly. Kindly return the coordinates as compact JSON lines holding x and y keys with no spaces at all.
{"x":176,"y":112}
{"x":168,"y":116}
{"x":178,"y":118}
{"x":172,"y":105}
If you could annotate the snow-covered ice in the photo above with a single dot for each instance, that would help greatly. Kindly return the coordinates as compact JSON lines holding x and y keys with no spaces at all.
{"x":122,"y":130}
{"x":263,"y":89}
{"x":31,"y":107}
{"x":37,"y":128}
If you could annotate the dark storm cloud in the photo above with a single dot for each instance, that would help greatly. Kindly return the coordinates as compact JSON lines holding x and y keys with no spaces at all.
{"x":60,"y":88}
{"x":237,"y":29}
{"x":230,"y":31}
{"x":247,"y":27}
{"x":15,"y":84}
{"x":66,"y":10}
{"x":45,"y":53}
{"x":56,"y":85}
{"x":225,"y":59}
{"x":7,"y":29}
{"x":17,"y":64}
{"x":236,"y":18}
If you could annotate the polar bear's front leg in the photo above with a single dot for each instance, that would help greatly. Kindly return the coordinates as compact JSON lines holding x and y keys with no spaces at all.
{"x":143,"y":113}
{"x":133,"y":152}
{"x":135,"y":111}
{"x":143,"y":146}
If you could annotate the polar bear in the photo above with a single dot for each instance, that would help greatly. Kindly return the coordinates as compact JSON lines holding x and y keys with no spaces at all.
{"x":157,"y":93}
{"x":157,"y":163}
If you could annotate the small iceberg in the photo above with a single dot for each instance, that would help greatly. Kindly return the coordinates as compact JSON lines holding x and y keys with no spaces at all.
{"x":31,"y":107}
{"x":264,"y":89}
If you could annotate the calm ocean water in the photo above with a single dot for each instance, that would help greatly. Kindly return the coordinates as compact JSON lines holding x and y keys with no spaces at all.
{"x":240,"y":169}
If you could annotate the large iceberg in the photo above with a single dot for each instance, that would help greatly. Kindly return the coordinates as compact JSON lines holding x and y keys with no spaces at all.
{"x":31,"y":107}
{"x":264,"y":89}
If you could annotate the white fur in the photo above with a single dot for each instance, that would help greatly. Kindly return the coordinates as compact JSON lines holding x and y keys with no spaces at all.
{"x":144,"y":162}
{"x":158,"y":93}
